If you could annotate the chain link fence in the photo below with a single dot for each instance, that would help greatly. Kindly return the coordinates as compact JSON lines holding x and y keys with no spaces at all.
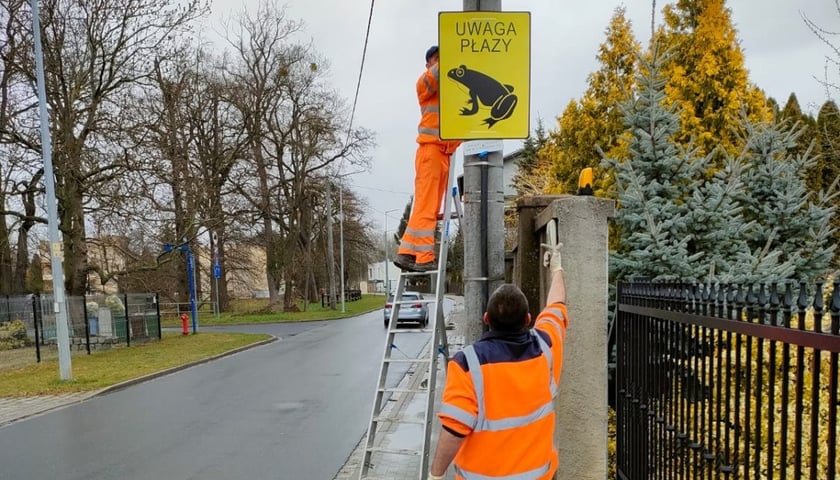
{"x":28,"y":331}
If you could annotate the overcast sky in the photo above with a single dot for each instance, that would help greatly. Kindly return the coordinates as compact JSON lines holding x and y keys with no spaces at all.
{"x":782,"y":56}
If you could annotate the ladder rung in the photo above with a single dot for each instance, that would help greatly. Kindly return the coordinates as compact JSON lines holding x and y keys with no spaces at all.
{"x":412,"y":330}
{"x":398,"y":420}
{"x":419,"y":274}
{"x":403,"y":390}
{"x":407,"y":360}
{"x":407,"y":302}
{"x":395,"y":451}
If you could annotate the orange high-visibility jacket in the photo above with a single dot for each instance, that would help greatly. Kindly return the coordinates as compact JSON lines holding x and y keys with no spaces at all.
{"x":427,"y":96}
{"x":500,"y":394}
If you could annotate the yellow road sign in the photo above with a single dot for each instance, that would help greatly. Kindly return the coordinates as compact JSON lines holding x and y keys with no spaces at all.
{"x":485,"y":75}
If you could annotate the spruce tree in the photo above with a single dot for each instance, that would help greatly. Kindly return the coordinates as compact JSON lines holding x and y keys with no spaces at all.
{"x":792,"y":229}
{"x":792,"y":114}
{"x":529,"y":179}
{"x":652,"y":184}
{"x":823,"y":176}
{"x":682,"y":217}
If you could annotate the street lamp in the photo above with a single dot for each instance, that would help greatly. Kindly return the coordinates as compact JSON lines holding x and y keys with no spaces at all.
{"x":387,"y":244}
{"x":65,"y":368}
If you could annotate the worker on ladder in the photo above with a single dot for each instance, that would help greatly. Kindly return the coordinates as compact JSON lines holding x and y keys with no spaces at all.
{"x":431,"y":166}
{"x":497,"y":410}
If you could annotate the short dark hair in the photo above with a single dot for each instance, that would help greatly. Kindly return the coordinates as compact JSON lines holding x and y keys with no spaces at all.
{"x":507,"y":309}
{"x":433,"y":50}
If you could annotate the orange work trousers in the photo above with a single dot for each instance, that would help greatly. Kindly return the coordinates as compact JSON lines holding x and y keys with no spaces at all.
{"x":431,"y":175}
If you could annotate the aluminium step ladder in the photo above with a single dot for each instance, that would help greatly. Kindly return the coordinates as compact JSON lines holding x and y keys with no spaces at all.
{"x":436,"y":344}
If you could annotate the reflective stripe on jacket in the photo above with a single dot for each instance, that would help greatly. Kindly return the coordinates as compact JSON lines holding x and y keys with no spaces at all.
{"x":500,"y":395}
{"x":427,"y":95}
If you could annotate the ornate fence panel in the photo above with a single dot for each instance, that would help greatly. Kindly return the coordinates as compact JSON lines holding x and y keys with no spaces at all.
{"x":727,"y":381}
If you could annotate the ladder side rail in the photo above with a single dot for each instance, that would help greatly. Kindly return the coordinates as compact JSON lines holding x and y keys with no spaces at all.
{"x":438,"y":329}
{"x":379,"y":394}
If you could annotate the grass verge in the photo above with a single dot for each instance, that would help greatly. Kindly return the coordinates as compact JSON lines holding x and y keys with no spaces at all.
{"x":315,"y":311}
{"x":110,"y":367}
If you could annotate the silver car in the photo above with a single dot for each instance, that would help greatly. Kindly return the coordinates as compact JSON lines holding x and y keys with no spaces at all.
{"x":409,"y":312}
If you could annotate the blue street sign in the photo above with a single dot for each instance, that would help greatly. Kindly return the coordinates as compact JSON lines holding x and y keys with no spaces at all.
{"x":217,"y":271}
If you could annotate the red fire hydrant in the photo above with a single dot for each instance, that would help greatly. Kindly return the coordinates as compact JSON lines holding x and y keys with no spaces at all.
{"x":184,"y":328}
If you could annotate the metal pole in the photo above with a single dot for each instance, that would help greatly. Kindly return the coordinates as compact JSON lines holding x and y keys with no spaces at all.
{"x":479,"y":284}
{"x":191,"y":275}
{"x":330,"y":251}
{"x":217,"y":296}
{"x":388,"y":247}
{"x":341,"y":239}
{"x":56,"y":254}
{"x":214,"y":244}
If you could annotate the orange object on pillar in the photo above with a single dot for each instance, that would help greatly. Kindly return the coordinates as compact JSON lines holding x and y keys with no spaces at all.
{"x":184,"y":328}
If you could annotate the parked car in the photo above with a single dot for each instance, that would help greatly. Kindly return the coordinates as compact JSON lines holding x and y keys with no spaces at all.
{"x":409,"y":312}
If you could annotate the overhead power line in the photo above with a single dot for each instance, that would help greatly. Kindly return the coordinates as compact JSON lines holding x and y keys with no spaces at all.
{"x":361,"y":70}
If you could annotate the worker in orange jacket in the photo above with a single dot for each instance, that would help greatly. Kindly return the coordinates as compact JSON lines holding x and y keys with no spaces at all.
{"x":431,"y":166}
{"x":497,"y":412}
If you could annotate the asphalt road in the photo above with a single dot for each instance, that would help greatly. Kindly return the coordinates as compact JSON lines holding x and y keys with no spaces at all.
{"x":293,"y":409}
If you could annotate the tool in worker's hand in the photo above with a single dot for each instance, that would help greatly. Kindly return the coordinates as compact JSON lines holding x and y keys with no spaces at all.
{"x":551,"y":258}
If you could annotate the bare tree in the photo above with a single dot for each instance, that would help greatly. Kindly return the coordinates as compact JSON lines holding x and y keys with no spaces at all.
{"x":263,"y":54}
{"x":832,"y":61}
{"x":97,"y":54}
{"x":220,"y":142}
{"x":308,"y":136}
{"x":13,"y":108}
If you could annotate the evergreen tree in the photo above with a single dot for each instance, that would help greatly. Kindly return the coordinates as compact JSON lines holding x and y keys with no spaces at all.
{"x":706,"y":74}
{"x":653,"y":219}
{"x":750,"y":221}
{"x":793,"y":115}
{"x":823,"y":176}
{"x":529,"y":179}
{"x":790,"y":222}
{"x":596,"y":121}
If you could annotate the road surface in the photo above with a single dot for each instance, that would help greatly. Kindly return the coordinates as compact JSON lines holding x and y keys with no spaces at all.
{"x":293,"y":409}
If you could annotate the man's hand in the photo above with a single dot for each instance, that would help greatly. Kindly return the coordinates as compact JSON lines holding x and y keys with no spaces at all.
{"x":551,"y":258}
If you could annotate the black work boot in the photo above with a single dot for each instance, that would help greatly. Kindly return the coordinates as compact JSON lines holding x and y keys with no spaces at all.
{"x":426,"y":267}
{"x":405,"y":262}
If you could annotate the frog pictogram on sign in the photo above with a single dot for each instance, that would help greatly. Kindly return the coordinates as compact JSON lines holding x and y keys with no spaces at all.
{"x":498,"y":97}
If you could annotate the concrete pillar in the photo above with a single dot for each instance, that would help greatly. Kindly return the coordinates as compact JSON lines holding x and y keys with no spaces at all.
{"x":581,"y":428}
{"x":528,"y":260}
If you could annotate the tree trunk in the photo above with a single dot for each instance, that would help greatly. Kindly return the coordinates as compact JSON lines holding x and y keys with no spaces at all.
{"x":72,"y":223}
{"x":5,"y":253}
{"x":23,"y":259}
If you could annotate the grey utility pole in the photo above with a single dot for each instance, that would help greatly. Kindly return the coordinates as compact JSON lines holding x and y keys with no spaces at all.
{"x":330,"y":246}
{"x":341,"y":237}
{"x":387,"y":247}
{"x":484,"y":225}
{"x":56,"y":250}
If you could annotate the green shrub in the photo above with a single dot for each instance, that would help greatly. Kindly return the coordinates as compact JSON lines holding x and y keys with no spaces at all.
{"x":13,"y":335}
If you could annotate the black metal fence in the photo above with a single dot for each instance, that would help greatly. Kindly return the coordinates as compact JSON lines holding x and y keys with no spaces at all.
{"x":727,"y":381}
{"x":94,"y":321}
